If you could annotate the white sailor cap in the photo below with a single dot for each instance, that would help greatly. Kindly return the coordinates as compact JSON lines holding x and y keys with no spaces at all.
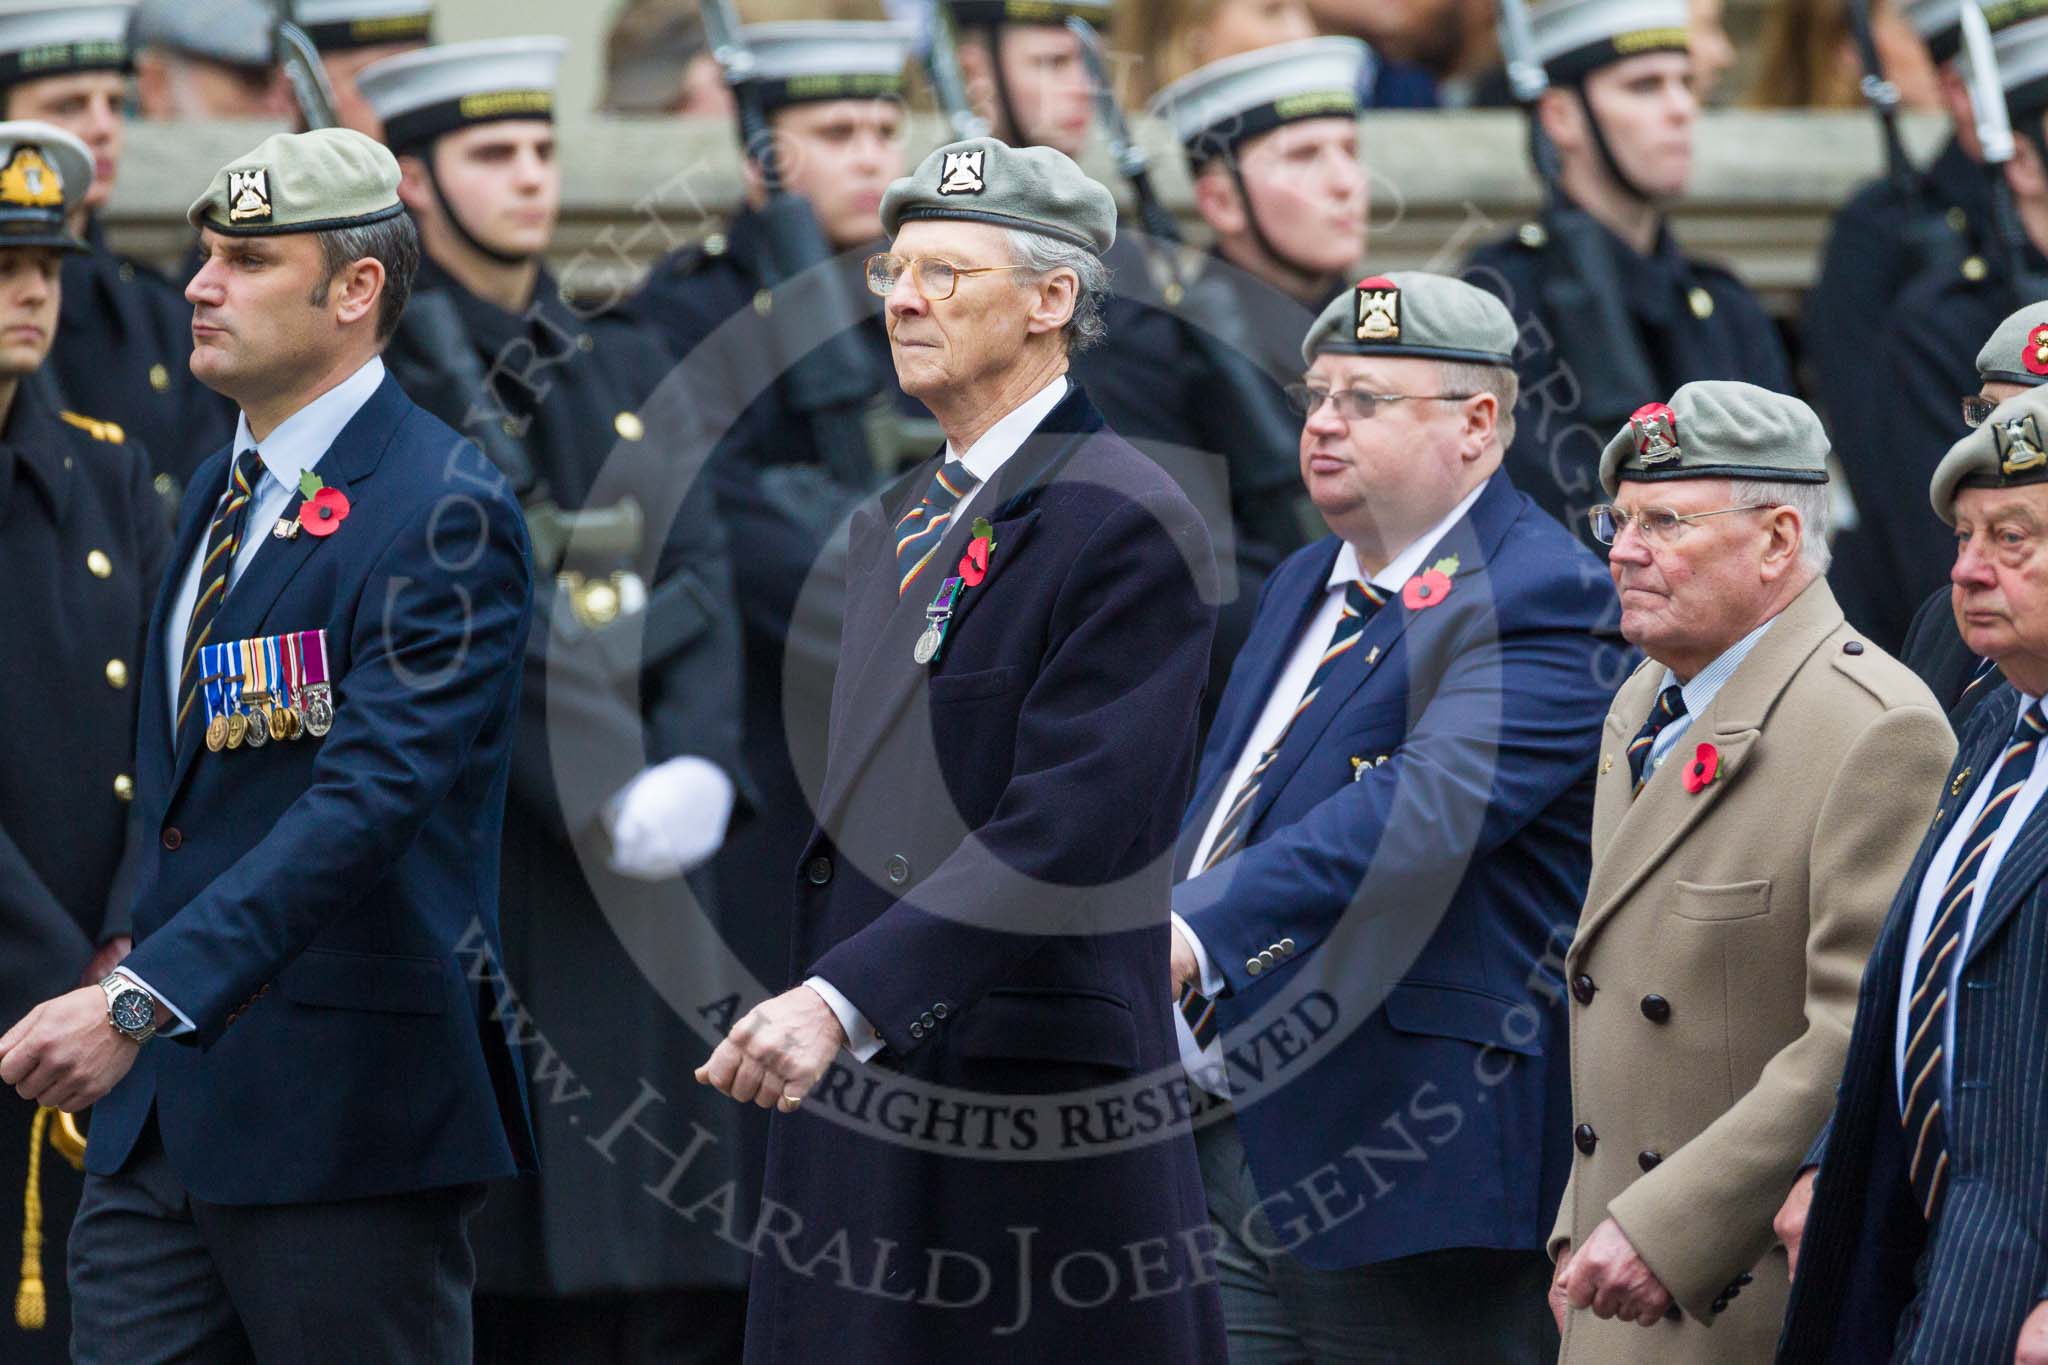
{"x":2022,"y":53}
{"x":1213,"y":109}
{"x":55,"y":38}
{"x":989,"y":13}
{"x":231,"y":32}
{"x":796,"y":63}
{"x":424,"y":94}
{"x":44,"y":174}
{"x":337,"y":25}
{"x":1575,"y":37}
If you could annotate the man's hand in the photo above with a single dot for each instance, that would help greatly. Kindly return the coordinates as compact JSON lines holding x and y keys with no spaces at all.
{"x":777,"y":1051}
{"x":2033,"y":1348}
{"x":1181,"y":962}
{"x":64,"y":1053}
{"x":106,"y":959}
{"x":1558,"y":1302}
{"x":1790,"y":1224}
{"x":1607,"y":1276}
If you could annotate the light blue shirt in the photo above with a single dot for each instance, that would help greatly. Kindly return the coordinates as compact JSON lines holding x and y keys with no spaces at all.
{"x":1700,"y":693}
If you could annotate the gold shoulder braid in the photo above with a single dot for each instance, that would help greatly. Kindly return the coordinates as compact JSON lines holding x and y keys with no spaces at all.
{"x":31,"y":1309}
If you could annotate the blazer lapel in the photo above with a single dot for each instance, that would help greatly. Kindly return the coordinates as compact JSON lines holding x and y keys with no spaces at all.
{"x":352,"y":458}
{"x":154,"y":740}
{"x":1473,"y":539}
{"x":1664,"y":813}
{"x":891,"y":675}
{"x":1259,"y":665}
{"x":2026,"y":860}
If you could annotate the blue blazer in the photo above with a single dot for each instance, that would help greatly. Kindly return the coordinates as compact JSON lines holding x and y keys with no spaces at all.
{"x":1392,"y":933}
{"x":1867,"y":1252}
{"x":317,"y":907}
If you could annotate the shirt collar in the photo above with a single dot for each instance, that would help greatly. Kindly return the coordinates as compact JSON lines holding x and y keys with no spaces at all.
{"x":1709,"y":680}
{"x":1408,"y":563}
{"x":302,"y":438}
{"x":1000,"y":441}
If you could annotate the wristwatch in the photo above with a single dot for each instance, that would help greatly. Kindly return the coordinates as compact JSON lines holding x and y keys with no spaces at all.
{"x":131,"y":1010}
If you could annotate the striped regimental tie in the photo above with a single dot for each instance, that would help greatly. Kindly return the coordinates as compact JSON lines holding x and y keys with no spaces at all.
{"x":919,"y":531}
{"x":1669,"y":707}
{"x":1927,"y":1008}
{"x":1361,"y":600}
{"x":223,"y":538}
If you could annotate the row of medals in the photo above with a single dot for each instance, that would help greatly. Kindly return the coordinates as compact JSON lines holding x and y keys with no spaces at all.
{"x":262,"y":721}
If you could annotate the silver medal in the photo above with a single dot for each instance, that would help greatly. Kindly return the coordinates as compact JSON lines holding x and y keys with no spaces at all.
{"x":928,"y":645}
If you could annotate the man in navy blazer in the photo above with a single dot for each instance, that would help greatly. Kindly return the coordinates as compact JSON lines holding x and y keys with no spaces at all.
{"x":1383,"y":860}
{"x":982,"y":910}
{"x":288,"y":1170}
{"x":1923,"y":1236}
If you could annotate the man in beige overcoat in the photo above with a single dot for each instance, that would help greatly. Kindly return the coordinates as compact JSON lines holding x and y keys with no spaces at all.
{"x":1764,"y":779}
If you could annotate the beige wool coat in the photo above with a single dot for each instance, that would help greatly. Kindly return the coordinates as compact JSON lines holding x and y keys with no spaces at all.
{"x":1713,"y":979}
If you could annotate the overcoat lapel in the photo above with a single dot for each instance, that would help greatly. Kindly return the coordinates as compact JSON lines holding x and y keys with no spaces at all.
{"x":890,"y":675}
{"x":2021,"y":870}
{"x":1664,"y":814}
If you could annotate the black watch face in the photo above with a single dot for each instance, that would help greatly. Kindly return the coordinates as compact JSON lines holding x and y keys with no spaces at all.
{"x":133,"y":1011}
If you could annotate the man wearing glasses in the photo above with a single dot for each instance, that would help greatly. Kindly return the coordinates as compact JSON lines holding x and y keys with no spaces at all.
{"x":1764,"y":777}
{"x":2013,"y":361}
{"x":1389,"y":832}
{"x":983,"y":904}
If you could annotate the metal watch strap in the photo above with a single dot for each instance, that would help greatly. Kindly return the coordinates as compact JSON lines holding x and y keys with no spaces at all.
{"x":115,"y":985}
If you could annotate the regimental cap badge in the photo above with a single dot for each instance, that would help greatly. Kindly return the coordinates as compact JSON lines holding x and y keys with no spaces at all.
{"x":1655,"y":427}
{"x":249,"y":196}
{"x":2020,"y":447}
{"x":2035,"y":354}
{"x":962,"y":172}
{"x":1379,"y":309}
{"x":30,"y":182}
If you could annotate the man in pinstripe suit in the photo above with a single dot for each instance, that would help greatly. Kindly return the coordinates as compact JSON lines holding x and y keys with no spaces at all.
{"x":1924,"y":1238}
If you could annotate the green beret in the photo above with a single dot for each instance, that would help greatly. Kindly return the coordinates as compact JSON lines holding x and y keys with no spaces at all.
{"x":2017,"y":352}
{"x":2008,"y":451}
{"x":302,"y":182}
{"x":982,"y":180}
{"x":1414,"y":313}
{"x":1718,"y":429}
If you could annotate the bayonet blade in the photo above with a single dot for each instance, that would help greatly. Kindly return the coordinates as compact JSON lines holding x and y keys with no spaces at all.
{"x":1987,"y":95}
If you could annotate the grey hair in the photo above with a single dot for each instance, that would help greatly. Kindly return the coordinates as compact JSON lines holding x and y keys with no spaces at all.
{"x":1463,"y":376}
{"x":1042,"y":254}
{"x":393,"y":243}
{"x":1812,"y":501}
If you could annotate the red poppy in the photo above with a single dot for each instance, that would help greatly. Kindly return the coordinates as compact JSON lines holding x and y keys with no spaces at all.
{"x":2035,"y":356}
{"x":1426,"y":589}
{"x":324,"y":512}
{"x":974,"y":564}
{"x":1704,"y":768}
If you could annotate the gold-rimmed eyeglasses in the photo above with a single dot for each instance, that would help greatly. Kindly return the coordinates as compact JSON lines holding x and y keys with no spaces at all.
{"x":1657,"y":524}
{"x":935,"y":276}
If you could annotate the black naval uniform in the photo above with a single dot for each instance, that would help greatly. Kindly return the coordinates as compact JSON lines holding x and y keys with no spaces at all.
{"x":82,"y":547}
{"x":1923,"y":363}
{"x":1953,"y":672}
{"x":1233,"y":318}
{"x":1696,"y":321}
{"x":776,"y":496}
{"x":124,"y":351}
{"x":1140,"y":379}
{"x":584,"y":1264}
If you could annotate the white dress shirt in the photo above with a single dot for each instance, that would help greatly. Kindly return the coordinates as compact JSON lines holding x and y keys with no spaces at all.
{"x":982,"y":459}
{"x":1699,"y":694}
{"x":295,"y":447}
{"x":1936,"y":881}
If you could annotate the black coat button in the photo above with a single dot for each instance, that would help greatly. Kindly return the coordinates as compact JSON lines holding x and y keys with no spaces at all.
{"x":818,"y":871}
{"x":941,"y":1010}
{"x":1585,"y":1139}
{"x":1583,"y":988}
{"x":897,"y":869}
{"x":1852,"y":647}
{"x":1720,"y":1305}
{"x":1745,"y":1279}
{"x":1656,"y":1009}
{"x":1649,"y":1161}
{"x":928,"y":1020}
{"x":174,"y":839}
